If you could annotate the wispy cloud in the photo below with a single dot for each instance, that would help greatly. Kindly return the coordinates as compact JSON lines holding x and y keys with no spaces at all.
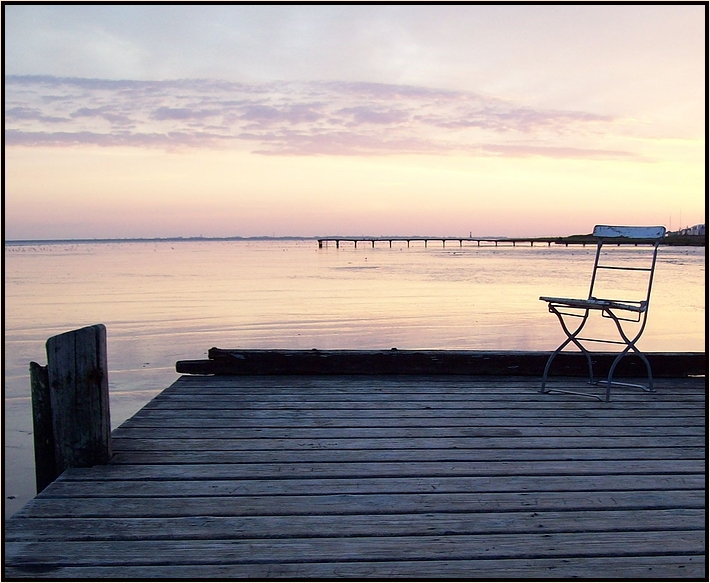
{"x":310,"y":118}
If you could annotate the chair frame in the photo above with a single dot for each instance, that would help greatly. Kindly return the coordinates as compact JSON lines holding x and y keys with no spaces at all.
{"x":617,"y":310}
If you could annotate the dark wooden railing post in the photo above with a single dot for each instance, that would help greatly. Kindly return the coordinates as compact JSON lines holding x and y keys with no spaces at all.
{"x":45,"y":467}
{"x":77,"y":379}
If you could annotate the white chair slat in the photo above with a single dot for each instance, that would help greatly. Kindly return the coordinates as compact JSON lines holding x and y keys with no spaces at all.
{"x":629,"y":232}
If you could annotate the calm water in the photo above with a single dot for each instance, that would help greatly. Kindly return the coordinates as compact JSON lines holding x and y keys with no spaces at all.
{"x":166,"y":301}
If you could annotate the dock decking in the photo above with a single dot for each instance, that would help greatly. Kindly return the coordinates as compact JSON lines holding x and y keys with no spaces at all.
{"x":374,"y":476}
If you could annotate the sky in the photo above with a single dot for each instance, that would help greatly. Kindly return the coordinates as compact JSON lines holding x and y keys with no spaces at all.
{"x":285,"y":120}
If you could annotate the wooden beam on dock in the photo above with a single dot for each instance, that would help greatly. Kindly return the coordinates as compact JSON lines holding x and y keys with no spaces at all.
{"x":434,"y":362}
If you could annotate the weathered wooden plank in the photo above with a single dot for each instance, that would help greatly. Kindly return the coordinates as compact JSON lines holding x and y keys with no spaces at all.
{"x":239,"y":423}
{"x":567,"y":455}
{"x":534,"y":400}
{"x":494,"y":400}
{"x":378,"y":468}
{"x":594,"y":568}
{"x":580,"y":413}
{"x":531,"y":400}
{"x":405,"y":382}
{"x":411,"y":384}
{"x":226,"y":527}
{"x":401,"y":384}
{"x":489,"y":546}
{"x":157,"y":486}
{"x":345,"y":504}
{"x":385,"y":383}
{"x":404,"y":443}
{"x":397,"y":432}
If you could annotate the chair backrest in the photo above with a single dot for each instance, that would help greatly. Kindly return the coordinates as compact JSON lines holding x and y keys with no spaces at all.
{"x":608,"y":231}
{"x":639,"y":264}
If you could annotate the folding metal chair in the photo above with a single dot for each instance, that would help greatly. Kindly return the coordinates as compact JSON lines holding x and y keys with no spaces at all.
{"x":618,"y":310}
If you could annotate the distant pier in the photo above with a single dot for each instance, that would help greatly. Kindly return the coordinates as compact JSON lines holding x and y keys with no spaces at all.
{"x":682,"y":240}
{"x":495,"y":241}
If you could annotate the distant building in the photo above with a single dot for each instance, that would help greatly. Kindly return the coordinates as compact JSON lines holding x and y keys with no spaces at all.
{"x":698,"y":230}
{"x":694,"y":230}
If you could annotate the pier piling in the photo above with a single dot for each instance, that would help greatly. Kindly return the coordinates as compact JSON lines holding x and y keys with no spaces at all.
{"x":45,"y":467}
{"x":70,"y":404}
{"x":582,"y":240}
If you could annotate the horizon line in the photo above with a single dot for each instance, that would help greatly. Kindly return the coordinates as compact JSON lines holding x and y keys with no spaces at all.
{"x":300,"y":238}
{"x":256,"y":238}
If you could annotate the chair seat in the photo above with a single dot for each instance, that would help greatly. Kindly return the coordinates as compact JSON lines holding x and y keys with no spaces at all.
{"x":596,"y":304}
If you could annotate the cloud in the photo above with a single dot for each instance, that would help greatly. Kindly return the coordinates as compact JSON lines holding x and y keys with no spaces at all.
{"x":289,"y":118}
{"x":183,"y":113}
{"x":30,"y":114}
{"x":167,"y":141}
{"x":290,"y":114}
{"x":365,"y":114}
{"x":103,"y":113}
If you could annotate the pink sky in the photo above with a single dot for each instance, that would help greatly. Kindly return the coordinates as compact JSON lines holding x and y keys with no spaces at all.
{"x":142,"y":121}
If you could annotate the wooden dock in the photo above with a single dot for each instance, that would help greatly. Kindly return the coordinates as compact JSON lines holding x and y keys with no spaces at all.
{"x":494,"y":241}
{"x":382,"y":476}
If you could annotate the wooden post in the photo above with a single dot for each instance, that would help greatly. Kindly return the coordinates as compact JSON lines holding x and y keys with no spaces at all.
{"x":45,"y":467}
{"x":78,"y":386}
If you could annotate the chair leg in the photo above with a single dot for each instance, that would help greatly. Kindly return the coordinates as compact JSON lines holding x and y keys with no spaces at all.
{"x":642,"y":356}
{"x":549,"y":362}
{"x":571,"y":337}
{"x":630,"y":346}
{"x":611,"y":372}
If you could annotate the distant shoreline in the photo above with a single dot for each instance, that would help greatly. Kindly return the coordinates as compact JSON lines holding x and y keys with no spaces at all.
{"x":679,"y":240}
{"x":153,"y":240}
